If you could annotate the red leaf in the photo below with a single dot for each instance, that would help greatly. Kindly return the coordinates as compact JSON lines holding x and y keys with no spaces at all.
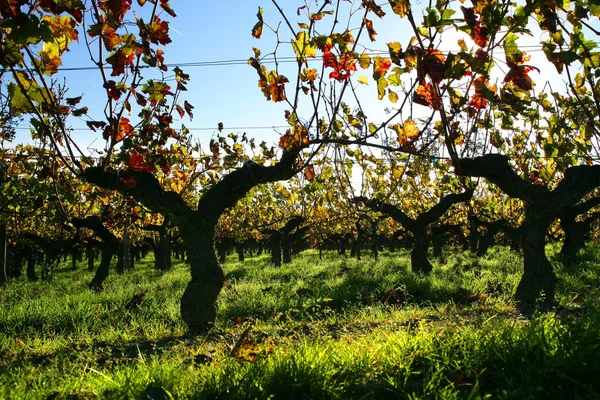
{"x":180,"y":110}
{"x":432,"y":64}
{"x":74,"y":7}
{"x":479,"y":34}
{"x":342,"y":68}
{"x":188,"y":108}
{"x":136,"y":163}
{"x":518,"y":75}
{"x":164,"y":4}
{"x":111,"y":39}
{"x":112,"y":90}
{"x":119,"y":60}
{"x":158,"y":31}
{"x":309,"y":172}
{"x":115,"y":8}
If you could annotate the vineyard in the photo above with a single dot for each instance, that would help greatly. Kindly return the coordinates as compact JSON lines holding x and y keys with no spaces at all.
{"x":321,"y":327}
{"x":436,"y":174}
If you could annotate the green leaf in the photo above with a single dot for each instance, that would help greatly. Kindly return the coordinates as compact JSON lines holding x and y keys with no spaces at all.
{"x":10,"y":54}
{"x":394,"y":77}
{"x":18,"y":101}
{"x":21,"y":99}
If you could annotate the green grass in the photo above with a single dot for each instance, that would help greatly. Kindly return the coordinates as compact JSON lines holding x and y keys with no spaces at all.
{"x":335,"y":328}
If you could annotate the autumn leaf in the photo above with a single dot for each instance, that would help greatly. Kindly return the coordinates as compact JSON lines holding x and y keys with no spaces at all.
{"x":342,"y":68}
{"x":79,"y":112}
{"x":431,"y":64}
{"x":73,"y":101}
{"x":370,"y":30}
{"x":136,"y":163}
{"x":116,"y":9}
{"x":164,"y":4}
{"x":319,"y":16}
{"x":73,"y":7}
{"x":518,"y":75}
{"x":94,"y":125}
{"x":244,"y":350}
{"x":258,"y":28}
{"x":124,"y":130}
{"x":295,"y":138}
{"x":395,"y":50}
{"x":400,"y":7}
{"x":156,"y":91}
{"x":157,"y":31}
{"x":62,"y":27}
{"x":407,"y":132}
{"x":188,"y":108}
{"x":302,"y":47}
{"x":380,"y":67}
{"x":372,"y":6}
{"x":140,"y":99}
{"x":426,"y":96}
{"x":364,"y":60}
{"x":309,"y":173}
{"x":363,"y":80}
{"x":111,"y":38}
{"x":180,"y":110}
{"x":483,"y":93}
{"x":121,"y":58}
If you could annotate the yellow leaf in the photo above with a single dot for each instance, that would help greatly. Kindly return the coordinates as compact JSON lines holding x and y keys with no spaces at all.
{"x":363,"y":79}
{"x":246,"y":351}
{"x":364,"y":60}
{"x":392,"y":96}
{"x":302,"y":47}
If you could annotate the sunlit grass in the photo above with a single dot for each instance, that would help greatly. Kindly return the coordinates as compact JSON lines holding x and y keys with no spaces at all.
{"x":331,"y":328}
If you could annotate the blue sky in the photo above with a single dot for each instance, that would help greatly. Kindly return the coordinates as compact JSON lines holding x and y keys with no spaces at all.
{"x":203,"y":31}
{"x":208,"y":31}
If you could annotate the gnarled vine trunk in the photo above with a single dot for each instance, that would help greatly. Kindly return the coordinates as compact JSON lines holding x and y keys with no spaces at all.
{"x":537,"y":285}
{"x":197,"y":227}
{"x":110,"y":248}
{"x":198,"y":303}
{"x":3,"y":263}
{"x":418,"y":256}
{"x":576,"y":231}
{"x":418,"y":226}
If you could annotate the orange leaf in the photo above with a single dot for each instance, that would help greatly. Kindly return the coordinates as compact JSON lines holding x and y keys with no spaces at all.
{"x":258,"y":28}
{"x":370,"y":30}
{"x":426,"y":96}
{"x":136,"y":163}
{"x":295,"y":138}
{"x":309,"y":173}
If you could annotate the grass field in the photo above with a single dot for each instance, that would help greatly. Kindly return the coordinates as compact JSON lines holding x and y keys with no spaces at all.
{"x":335,"y":328}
